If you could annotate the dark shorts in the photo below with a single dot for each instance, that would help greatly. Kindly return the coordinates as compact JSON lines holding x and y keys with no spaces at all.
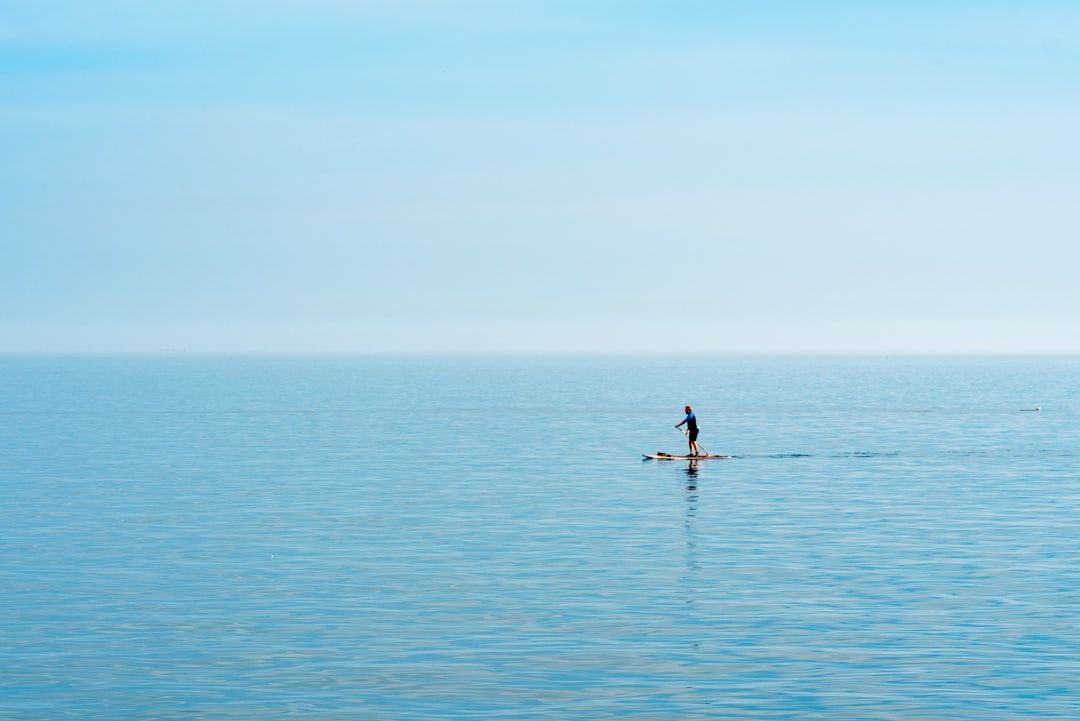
{"x":693,"y":434}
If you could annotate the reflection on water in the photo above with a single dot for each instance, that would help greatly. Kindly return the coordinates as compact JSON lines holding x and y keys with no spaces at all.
{"x":692,"y":472}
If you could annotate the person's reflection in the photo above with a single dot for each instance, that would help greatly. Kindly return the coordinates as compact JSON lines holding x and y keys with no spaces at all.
{"x":692,"y":564}
{"x":691,"y":476}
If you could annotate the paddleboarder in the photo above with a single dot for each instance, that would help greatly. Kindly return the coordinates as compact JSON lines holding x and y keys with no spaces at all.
{"x":691,"y":429}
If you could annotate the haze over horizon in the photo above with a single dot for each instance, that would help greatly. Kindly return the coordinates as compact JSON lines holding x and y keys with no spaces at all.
{"x":539,"y":177}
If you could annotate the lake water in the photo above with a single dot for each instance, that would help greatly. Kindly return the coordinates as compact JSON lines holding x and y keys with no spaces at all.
{"x":423,"y":538}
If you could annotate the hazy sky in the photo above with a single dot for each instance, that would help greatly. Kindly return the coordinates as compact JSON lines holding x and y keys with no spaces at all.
{"x":663,"y":176}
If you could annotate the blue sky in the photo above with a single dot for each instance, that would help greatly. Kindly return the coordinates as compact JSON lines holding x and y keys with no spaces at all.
{"x":286,"y":176}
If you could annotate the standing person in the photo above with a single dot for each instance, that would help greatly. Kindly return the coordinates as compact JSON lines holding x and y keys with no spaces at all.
{"x":691,"y":429}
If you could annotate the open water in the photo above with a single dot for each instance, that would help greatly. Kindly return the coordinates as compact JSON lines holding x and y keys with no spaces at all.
{"x":332,"y":538}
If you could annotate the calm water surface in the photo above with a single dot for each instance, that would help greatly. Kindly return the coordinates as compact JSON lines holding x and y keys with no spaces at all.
{"x":245,"y":538}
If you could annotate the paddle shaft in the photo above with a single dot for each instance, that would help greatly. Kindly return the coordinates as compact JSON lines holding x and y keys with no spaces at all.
{"x":687,"y":434}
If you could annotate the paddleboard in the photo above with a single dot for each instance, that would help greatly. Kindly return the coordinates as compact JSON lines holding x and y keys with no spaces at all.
{"x":668,"y":457}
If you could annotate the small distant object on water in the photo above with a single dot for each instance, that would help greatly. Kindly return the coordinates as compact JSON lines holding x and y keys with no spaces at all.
{"x":1035,"y":409}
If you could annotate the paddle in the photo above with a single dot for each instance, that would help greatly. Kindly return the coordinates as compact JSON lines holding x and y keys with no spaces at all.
{"x":700,"y":447}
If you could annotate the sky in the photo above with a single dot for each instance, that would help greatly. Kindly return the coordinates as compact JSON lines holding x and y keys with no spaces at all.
{"x":562,"y":176}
